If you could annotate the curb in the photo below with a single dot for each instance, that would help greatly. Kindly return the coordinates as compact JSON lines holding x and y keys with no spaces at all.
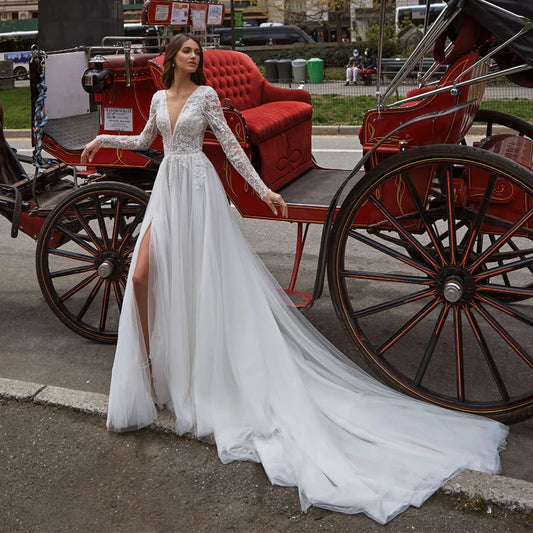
{"x":17,"y":134}
{"x":316,"y":130}
{"x":512,"y":494}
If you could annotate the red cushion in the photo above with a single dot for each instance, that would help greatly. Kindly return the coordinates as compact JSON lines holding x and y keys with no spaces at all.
{"x":271,"y":119}
{"x":234,"y":75}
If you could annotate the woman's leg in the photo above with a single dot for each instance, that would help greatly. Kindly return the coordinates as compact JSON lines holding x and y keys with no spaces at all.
{"x":140,"y":286}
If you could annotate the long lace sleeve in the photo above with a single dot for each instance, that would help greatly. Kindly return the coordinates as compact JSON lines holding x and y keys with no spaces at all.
{"x":143,"y":141}
{"x":233,"y":150}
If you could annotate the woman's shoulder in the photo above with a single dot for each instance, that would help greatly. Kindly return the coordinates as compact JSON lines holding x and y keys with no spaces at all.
{"x":207,"y":90}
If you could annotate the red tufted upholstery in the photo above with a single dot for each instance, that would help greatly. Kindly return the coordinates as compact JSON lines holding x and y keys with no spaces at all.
{"x":278,"y":120}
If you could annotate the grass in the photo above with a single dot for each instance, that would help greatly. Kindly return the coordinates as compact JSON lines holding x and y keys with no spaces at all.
{"x":335,"y":109}
{"x":520,"y":108}
{"x":328,"y":110}
{"x":16,"y":105}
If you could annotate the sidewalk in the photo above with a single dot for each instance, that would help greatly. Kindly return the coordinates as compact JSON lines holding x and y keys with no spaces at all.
{"x":63,"y":472}
{"x":506,"y":492}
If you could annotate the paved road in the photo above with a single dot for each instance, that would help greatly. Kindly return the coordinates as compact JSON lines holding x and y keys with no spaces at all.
{"x":36,"y":347}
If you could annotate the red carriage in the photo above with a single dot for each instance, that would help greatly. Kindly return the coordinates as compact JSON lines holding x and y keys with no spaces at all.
{"x":426,"y":242}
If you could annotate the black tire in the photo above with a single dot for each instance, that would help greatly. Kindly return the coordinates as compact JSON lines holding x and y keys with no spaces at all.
{"x":491,"y":118}
{"x":83,"y":256}
{"x":20,"y":73}
{"x":426,"y":300}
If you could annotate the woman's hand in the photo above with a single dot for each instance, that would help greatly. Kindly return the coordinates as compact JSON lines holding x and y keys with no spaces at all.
{"x":90,"y":150}
{"x":272,"y":199}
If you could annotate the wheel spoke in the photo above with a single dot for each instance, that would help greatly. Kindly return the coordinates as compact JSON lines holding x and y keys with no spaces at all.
{"x":118,"y":293}
{"x":504,"y":289}
{"x":499,"y":260}
{"x":404,"y":232}
{"x":116,"y":223}
{"x":504,"y":269}
{"x":503,"y":333}
{"x":506,"y":309}
{"x":105,"y":305}
{"x":430,"y":348}
{"x":77,"y":239}
{"x":132,"y":226}
{"x":488,"y":356}
{"x":473,"y":232}
{"x":423,"y":215}
{"x":390,"y":251}
{"x":459,"y":355}
{"x":71,"y":271}
{"x":391,"y":304}
{"x":395,"y":278}
{"x":123,"y":280}
{"x":88,"y":230}
{"x":70,"y":255}
{"x":400,"y":332}
{"x":126,"y":253}
{"x":450,"y":213}
{"x":520,"y":253}
{"x":101,"y":221}
{"x":501,"y":241}
{"x":82,"y":284}
{"x":89,"y":300}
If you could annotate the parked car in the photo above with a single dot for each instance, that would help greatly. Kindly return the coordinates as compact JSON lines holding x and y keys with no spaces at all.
{"x":259,"y":35}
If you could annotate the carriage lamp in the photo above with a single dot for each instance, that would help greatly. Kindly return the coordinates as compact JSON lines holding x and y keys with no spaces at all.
{"x":97,"y":81}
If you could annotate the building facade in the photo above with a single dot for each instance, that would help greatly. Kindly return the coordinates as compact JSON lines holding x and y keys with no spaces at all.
{"x":18,"y":9}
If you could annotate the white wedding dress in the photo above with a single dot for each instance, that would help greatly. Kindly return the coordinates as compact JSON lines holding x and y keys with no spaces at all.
{"x":233,"y":358}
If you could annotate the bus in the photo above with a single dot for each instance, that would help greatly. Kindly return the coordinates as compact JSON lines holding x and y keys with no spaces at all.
{"x":15,"y":46}
{"x":416,"y":14}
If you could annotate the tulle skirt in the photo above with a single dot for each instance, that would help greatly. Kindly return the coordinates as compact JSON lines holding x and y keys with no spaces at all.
{"x":233,"y":358}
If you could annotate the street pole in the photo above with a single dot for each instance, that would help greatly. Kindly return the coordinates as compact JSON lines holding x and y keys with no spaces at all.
{"x":232,"y":10}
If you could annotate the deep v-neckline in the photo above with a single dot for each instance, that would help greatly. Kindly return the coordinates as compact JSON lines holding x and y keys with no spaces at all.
{"x":173,"y":128}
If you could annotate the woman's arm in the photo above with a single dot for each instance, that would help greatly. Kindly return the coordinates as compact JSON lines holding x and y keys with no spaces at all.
{"x":236,"y":155}
{"x":143,"y":141}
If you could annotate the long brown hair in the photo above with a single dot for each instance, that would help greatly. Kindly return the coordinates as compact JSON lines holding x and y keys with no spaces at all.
{"x":173,"y":47}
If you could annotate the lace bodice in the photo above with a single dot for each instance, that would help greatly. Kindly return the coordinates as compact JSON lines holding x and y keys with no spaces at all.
{"x":202,"y":108}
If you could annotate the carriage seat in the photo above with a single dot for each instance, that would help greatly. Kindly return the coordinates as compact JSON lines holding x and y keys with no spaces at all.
{"x":278,"y":120}
{"x":443,"y":129}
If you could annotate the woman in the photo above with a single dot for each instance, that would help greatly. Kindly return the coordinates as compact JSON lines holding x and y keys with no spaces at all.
{"x":206,"y":332}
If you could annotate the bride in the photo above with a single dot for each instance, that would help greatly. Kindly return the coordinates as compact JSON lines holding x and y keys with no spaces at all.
{"x":206,"y":332}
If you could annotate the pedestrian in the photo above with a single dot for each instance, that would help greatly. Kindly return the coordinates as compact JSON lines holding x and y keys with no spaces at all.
{"x":206,"y":332}
{"x":368,"y":66}
{"x":270,"y":42}
{"x":353,"y":68}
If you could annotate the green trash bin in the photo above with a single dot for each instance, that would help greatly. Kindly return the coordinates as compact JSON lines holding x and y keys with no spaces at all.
{"x":315,"y":70}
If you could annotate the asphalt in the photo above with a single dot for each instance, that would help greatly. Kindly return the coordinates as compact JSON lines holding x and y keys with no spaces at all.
{"x":505,"y":492}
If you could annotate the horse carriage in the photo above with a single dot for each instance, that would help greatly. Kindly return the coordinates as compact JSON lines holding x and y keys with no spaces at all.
{"x":427,"y":241}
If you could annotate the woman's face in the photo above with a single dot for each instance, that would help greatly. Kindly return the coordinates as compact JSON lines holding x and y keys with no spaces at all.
{"x":187,"y":58}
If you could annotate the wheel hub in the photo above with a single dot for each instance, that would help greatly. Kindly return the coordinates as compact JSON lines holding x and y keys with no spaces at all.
{"x":455,"y":285}
{"x":452,"y":291}
{"x":105,"y":269}
{"x":109,"y":265}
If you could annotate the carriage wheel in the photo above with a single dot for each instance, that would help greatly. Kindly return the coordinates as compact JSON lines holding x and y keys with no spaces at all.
{"x":434,"y":288}
{"x":514,"y":124}
{"x":84,"y":253}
